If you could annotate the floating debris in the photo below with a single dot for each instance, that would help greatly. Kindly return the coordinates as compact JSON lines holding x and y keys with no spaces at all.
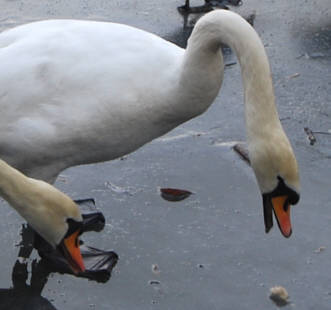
{"x":174,"y":194}
{"x":155,"y":269}
{"x":310,"y":135}
{"x":316,"y":55}
{"x":323,"y":132}
{"x":320,"y":249}
{"x":295,"y":75}
{"x":279,"y":296}
{"x":154,"y":282}
{"x":242,"y":151}
{"x":229,"y":64}
{"x":63,"y":178}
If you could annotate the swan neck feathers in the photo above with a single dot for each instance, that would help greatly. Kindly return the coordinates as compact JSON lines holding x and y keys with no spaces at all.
{"x":45,"y":208}
{"x":224,"y":27}
{"x":270,"y":151}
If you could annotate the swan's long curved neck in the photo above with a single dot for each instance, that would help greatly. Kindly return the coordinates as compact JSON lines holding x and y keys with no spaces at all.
{"x":13,"y":187}
{"x":204,"y":51}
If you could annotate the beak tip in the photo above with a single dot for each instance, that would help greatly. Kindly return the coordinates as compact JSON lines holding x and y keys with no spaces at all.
{"x":287,"y":234}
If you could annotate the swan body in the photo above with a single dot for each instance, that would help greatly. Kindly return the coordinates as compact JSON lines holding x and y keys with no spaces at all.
{"x":47,"y":210}
{"x":78,"y":92}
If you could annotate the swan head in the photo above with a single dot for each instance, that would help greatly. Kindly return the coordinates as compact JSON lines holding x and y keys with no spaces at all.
{"x":69,"y":246}
{"x":277,"y":174}
{"x":51,"y":213}
{"x":57,"y":219}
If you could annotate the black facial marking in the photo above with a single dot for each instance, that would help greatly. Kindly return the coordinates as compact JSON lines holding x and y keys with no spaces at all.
{"x":283,"y":190}
{"x":73,"y":226}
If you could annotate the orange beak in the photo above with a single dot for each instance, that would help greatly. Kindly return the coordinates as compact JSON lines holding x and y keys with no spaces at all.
{"x":72,"y":252}
{"x":281,"y":209}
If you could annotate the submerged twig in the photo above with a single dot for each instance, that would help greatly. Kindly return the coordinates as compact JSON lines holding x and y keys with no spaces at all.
{"x":242,"y":152}
{"x":310,"y":135}
{"x":229,"y":64}
{"x":322,"y":133}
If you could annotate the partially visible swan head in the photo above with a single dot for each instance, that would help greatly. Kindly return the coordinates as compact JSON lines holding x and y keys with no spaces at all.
{"x":58,"y":220}
{"x":270,"y":152}
{"x":276,"y":170}
{"x":51,"y":213}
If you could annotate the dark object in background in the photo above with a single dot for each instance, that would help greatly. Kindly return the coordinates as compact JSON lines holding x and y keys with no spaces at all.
{"x":310,"y":136}
{"x":208,"y":6}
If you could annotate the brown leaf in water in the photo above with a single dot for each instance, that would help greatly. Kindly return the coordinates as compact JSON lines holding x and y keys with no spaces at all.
{"x":174,"y":194}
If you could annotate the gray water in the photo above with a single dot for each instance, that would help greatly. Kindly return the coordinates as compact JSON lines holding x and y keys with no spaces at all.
{"x":210,"y":250}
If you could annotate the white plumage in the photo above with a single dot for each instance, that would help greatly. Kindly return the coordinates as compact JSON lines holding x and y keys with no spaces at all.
{"x":79,"y":92}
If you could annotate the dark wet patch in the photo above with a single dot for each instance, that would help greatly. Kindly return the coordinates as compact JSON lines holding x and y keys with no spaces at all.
{"x":316,"y":41}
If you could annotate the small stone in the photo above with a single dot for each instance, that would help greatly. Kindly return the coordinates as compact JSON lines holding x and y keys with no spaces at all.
{"x":279,"y":296}
{"x":295,"y":75}
{"x":155,"y":269}
{"x":320,"y":249}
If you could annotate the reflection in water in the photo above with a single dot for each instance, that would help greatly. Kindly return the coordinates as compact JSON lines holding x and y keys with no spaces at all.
{"x":22,"y":295}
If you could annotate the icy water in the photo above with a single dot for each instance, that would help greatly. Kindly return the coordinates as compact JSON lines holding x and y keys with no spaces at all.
{"x":208,"y":251}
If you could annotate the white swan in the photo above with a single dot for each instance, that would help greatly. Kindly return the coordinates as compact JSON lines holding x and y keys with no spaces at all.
{"x":79,"y":92}
{"x":47,"y":210}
